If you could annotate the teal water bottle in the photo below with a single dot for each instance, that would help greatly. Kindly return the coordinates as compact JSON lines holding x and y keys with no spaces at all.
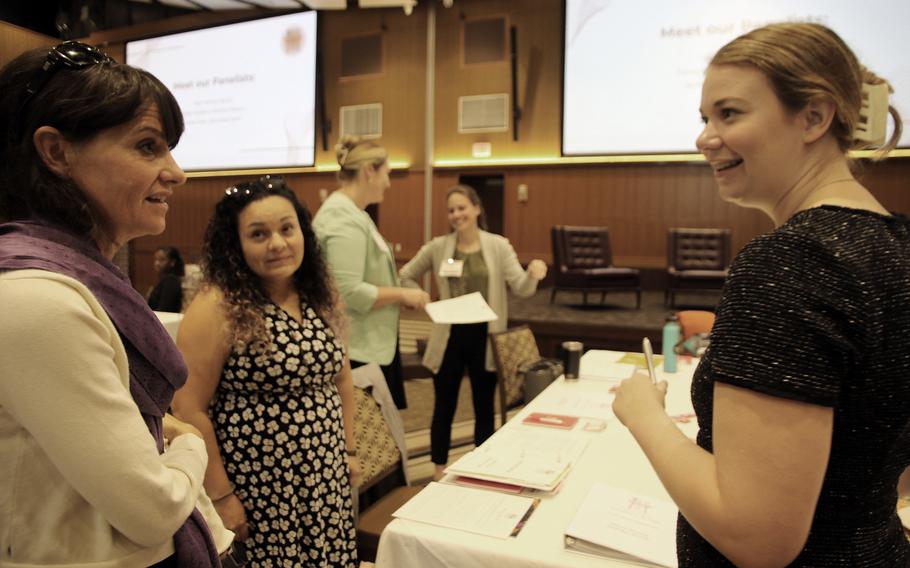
{"x":670,"y":339}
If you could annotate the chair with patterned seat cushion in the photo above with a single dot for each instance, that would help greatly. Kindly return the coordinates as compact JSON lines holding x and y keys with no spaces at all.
{"x":384,"y":486}
{"x":379,"y":455}
{"x":583,"y":261}
{"x":697,"y":260}
{"x":511,"y":349}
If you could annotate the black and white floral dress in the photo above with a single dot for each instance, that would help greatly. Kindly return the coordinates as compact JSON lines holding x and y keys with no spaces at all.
{"x":279,"y":426}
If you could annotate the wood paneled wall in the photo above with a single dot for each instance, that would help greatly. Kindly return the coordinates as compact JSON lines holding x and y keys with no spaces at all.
{"x":15,"y":40}
{"x":638,"y":203}
{"x":539,"y":29}
{"x":400,"y":87}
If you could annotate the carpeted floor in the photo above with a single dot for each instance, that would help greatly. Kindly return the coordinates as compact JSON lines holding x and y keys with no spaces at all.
{"x":618,"y":309}
{"x":419,"y":412}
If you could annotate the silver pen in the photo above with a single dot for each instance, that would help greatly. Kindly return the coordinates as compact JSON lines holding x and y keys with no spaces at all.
{"x":649,"y":358}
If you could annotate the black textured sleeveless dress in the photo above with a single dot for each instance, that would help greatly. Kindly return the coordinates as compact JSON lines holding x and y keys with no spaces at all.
{"x":279,"y":426}
{"x":824,"y":302}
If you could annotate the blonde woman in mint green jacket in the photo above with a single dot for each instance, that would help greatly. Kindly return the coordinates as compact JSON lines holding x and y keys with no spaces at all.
{"x":362,"y":263}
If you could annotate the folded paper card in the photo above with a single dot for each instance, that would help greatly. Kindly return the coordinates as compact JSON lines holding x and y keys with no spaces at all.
{"x":615,"y":523}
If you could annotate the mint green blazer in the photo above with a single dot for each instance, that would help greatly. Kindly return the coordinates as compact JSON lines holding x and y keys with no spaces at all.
{"x":359,"y":264}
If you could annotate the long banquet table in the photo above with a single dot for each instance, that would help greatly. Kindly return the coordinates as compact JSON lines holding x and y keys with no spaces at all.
{"x":612,"y":456}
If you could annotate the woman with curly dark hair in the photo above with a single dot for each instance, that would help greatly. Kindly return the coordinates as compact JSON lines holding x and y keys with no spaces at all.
{"x":270,"y":384}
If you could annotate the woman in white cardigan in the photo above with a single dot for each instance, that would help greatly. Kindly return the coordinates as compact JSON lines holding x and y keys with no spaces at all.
{"x":467,"y":260}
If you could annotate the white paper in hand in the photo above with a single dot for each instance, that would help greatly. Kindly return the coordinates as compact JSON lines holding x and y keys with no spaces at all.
{"x":470,"y":308}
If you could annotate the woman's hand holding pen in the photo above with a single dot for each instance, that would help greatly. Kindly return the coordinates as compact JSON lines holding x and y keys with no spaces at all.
{"x":637,"y":398}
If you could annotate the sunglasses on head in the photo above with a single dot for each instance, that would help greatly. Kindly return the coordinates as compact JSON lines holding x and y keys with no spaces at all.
{"x":69,"y":55}
{"x":265,"y":183}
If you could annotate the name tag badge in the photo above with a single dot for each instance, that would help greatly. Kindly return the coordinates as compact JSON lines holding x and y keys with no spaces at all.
{"x":451,"y":268}
{"x":380,"y":242}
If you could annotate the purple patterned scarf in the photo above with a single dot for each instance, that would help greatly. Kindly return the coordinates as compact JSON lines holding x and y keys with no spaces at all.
{"x":157,"y":369}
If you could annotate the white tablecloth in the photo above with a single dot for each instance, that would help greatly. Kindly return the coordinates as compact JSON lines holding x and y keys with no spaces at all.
{"x":171,"y":322}
{"x":612,"y":457}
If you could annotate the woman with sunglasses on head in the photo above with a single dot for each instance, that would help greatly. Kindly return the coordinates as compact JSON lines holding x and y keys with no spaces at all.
{"x":802,"y":399}
{"x":270,"y":385}
{"x":362,"y":262}
{"x":167,"y":294}
{"x":87,"y":371}
{"x":468,"y":259}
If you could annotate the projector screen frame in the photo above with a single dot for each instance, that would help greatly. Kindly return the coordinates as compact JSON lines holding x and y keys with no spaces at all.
{"x":901,"y":151}
{"x":258,"y":169}
{"x":653,"y":158}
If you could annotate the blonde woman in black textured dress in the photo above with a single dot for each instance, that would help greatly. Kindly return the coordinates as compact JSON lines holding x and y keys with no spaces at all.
{"x":803,"y":398}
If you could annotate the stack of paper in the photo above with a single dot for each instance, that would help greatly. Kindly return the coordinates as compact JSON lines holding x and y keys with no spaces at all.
{"x":591,"y":403}
{"x":618,"y":524}
{"x":608,"y":366}
{"x":465,"y":481}
{"x":471,"y":510}
{"x":538,"y":459}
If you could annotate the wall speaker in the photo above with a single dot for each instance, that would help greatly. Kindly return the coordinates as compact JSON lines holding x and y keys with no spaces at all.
{"x":484,"y":41}
{"x":361,"y":55}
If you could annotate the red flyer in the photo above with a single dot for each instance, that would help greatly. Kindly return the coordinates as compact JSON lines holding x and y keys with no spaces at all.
{"x":552,"y":420}
{"x":487,"y":484}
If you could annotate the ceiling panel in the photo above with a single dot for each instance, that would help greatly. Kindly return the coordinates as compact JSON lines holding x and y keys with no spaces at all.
{"x":223,"y":4}
{"x":278,"y":4}
{"x":281,"y":4}
{"x":386,"y":3}
{"x":178,"y":3}
{"x":326,"y":4}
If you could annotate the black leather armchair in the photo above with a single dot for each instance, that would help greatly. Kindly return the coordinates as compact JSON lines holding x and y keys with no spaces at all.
{"x":697,"y":260}
{"x":583,"y":261}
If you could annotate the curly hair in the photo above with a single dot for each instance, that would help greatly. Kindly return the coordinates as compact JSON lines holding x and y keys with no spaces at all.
{"x":80,"y":104}
{"x":225,"y":267}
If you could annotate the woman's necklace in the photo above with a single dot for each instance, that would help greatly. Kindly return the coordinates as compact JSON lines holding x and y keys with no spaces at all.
{"x":858,"y":200}
{"x":834,"y":181}
{"x":817,"y":200}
